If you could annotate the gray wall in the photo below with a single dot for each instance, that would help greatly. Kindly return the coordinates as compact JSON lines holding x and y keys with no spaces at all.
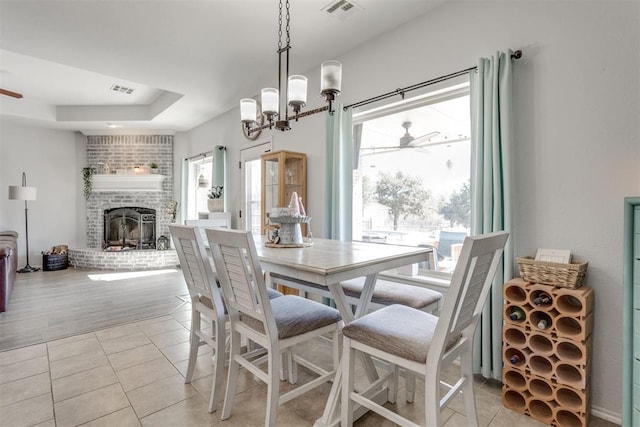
{"x":577,"y":131}
{"x":577,"y":138}
{"x":49,"y":158}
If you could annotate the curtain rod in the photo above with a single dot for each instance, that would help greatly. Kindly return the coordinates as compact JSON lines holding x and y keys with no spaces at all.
{"x":401,"y":91}
{"x":208,"y":153}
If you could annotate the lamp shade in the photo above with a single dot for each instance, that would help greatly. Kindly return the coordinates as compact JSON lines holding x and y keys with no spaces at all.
{"x":203,"y":182}
{"x":270,"y":100}
{"x":297,"y":89}
{"x":17,"y":192}
{"x":330,"y":76}
{"x":248,"y":110}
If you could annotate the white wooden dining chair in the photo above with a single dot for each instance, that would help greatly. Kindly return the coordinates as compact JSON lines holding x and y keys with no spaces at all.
{"x":206,"y":300}
{"x":277,"y":325}
{"x":423,"y":343}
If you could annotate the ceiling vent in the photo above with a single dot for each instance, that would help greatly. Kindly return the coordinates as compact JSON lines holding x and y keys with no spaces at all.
{"x":342,"y":9}
{"x":122,"y":89}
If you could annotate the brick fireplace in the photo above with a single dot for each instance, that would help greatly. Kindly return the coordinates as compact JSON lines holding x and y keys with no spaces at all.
{"x":121,"y":155}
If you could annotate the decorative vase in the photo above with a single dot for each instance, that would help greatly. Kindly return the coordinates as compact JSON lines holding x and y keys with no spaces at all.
{"x":215,"y":205}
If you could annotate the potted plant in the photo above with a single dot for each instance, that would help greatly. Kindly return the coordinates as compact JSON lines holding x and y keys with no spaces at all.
{"x":87,"y":177}
{"x":154,"y":167}
{"x":215,"y":202}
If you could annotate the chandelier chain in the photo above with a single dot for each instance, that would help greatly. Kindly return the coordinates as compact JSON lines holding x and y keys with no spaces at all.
{"x":280,"y":25}
{"x":288,"y":25}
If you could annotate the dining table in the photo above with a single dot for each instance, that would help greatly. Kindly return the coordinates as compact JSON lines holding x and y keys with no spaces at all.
{"x":324,"y":263}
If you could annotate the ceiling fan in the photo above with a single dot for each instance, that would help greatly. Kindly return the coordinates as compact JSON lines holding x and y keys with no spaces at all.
{"x":10,"y":93}
{"x":406,"y":141}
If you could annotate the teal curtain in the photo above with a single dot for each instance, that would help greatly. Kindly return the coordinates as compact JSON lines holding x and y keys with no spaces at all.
{"x":492,"y":192}
{"x":339,"y":170}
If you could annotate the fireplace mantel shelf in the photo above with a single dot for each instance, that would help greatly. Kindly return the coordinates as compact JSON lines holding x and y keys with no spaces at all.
{"x":152,"y":182}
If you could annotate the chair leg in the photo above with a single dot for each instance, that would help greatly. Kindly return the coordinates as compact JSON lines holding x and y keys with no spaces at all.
{"x":218,"y":364}
{"x":393,"y":382}
{"x":232,"y":379}
{"x":466,"y":369}
{"x":194,"y":345}
{"x":432,"y":399}
{"x":348,"y":365}
{"x":410,"y":385}
{"x":292,"y":366}
{"x":273,"y":387}
{"x":337,"y":349}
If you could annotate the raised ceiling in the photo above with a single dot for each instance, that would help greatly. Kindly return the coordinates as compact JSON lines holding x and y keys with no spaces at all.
{"x":186,"y":61}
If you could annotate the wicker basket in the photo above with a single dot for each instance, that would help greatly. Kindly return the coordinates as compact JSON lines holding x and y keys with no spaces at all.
{"x":53,"y":262}
{"x":553,"y":273}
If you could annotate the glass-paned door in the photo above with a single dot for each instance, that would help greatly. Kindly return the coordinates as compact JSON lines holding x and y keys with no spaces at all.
{"x":250,"y":186}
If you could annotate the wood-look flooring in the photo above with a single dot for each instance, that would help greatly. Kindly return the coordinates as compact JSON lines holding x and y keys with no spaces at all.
{"x":48,"y":305}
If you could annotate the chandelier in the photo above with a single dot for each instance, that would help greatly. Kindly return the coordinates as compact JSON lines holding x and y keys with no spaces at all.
{"x":295,"y":94}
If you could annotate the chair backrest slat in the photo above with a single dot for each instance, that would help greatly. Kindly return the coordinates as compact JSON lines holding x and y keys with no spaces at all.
{"x":240,"y":273}
{"x":197,"y":269}
{"x":469,"y":287}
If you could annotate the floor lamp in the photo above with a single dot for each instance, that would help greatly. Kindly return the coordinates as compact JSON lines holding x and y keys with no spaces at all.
{"x":24,"y":193}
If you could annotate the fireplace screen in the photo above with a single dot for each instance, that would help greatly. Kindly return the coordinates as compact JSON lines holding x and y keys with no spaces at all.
{"x":129,"y":228}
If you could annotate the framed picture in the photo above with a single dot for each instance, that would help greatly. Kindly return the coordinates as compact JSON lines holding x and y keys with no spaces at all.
{"x":554,"y":255}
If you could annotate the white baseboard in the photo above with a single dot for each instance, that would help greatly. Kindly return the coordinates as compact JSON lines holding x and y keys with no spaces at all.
{"x":606,"y":414}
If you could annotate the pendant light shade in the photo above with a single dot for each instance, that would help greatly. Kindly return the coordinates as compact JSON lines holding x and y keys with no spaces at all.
{"x":270,"y":101}
{"x":297,"y":90}
{"x":331,"y":77}
{"x":248,"y":110}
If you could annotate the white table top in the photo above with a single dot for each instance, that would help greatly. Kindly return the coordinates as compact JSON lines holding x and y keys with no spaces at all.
{"x":331,"y":261}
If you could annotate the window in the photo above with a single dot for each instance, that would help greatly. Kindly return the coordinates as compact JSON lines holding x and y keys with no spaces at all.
{"x":411,"y":185}
{"x":200,"y":172}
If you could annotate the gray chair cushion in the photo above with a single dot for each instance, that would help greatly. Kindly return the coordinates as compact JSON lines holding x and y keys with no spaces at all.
{"x":387,"y":293}
{"x":396,"y":329}
{"x":384,"y":293}
{"x":295,"y":316}
{"x":272,"y":293}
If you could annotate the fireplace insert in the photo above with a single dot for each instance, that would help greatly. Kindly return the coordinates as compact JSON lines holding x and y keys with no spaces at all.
{"x":128,"y":228}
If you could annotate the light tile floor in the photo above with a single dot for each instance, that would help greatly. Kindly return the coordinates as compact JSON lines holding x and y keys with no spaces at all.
{"x":133,"y":374}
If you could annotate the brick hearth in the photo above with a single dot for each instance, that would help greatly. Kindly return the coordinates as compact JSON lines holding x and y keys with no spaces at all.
{"x":145,"y":259}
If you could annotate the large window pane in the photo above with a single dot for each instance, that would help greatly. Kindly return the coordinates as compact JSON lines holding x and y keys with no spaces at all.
{"x":411,"y":185}
{"x":198,"y":184}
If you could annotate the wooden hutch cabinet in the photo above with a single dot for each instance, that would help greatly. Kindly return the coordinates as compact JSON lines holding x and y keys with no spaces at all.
{"x":283,"y":173}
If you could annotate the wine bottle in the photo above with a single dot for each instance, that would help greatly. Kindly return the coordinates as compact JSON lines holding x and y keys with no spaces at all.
{"x":515,"y":359}
{"x":516,"y":314}
{"x":542,"y":324}
{"x":543,"y":298}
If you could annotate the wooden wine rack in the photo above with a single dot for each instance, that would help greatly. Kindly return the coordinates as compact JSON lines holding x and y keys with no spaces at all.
{"x":549,"y":380}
